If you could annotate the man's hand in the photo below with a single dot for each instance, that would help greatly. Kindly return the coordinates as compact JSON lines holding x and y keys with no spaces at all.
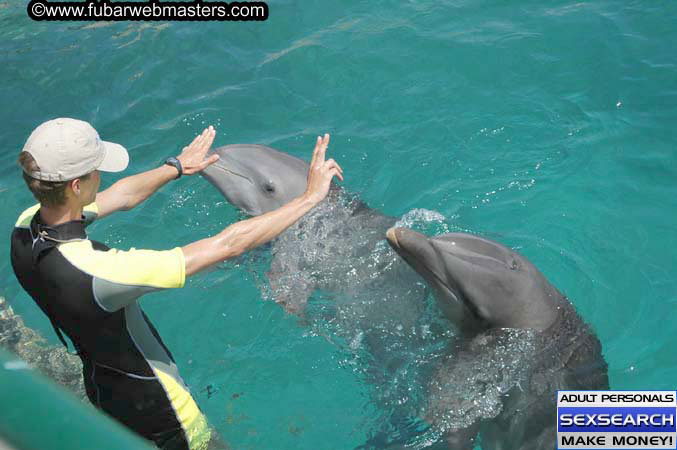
{"x":321,"y":172}
{"x":129,"y":192}
{"x":192,"y":157}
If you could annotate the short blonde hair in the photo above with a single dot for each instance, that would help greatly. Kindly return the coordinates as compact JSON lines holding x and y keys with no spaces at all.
{"x":48,"y":193}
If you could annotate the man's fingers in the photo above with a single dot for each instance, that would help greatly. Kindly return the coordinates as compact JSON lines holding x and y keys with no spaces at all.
{"x":196,"y":141}
{"x":193,"y":156}
{"x":323,"y":147}
{"x":207,"y":162}
{"x":206,"y":132}
{"x":330,"y":163}
{"x":203,"y":141}
{"x":193,"y":142}
{"x":320,"y":148}
{"x":203,"y":138}
{"x":313,"y":160}
{"x":332,"y":167}
{"x":335,"y":172}
{"x":209,"y":138}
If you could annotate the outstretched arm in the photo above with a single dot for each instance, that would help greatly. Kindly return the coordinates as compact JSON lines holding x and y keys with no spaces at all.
{"x":247,"y":234}
{"x":131,"y":191}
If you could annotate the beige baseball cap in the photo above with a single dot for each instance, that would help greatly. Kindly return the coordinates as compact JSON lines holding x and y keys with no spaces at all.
{"x":66,"y":149}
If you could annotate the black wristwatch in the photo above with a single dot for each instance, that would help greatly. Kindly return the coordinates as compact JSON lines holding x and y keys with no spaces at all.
{"x":175,"y":163}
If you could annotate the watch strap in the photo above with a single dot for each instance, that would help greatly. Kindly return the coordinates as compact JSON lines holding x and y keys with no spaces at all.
{"x":174,"y":162}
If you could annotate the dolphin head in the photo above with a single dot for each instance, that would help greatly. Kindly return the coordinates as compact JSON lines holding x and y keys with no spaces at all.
{"x":479,"y":283}
{"x":256,"y":178}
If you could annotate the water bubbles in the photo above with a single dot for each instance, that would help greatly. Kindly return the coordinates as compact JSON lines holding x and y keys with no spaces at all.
{"x":198,"y":121}
{"x":522,"y":185}
{"x":357,"y":341}
{"x":336,"y":266}
{"x":470,"y":385}
{"x":424,"y":220}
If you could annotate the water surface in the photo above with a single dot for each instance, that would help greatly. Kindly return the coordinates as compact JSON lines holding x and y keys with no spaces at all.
{"x":549,"y":128}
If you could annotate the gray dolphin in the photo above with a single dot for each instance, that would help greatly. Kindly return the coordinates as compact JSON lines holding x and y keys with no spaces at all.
{"x":367,"y":301}
{"x":256,"y":178}
{"x":338,"y":247}
{"x":331,"y":248}
{"x":523,"y":334}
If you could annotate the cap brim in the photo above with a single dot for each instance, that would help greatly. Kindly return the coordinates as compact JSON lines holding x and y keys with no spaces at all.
{"x":115,"y":158}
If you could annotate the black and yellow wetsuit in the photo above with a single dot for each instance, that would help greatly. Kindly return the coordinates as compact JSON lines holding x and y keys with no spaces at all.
{"x":90,"y":292}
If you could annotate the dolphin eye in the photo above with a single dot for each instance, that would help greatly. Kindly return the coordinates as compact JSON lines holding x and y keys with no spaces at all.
{"x":269,"y":187}
{"x":514,"y":265}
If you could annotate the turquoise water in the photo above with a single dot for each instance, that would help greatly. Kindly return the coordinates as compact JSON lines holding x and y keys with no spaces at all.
{"x":548,"y":128}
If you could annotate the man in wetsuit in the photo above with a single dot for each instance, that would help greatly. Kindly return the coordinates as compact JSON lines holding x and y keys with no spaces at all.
{"x":89,"y":291}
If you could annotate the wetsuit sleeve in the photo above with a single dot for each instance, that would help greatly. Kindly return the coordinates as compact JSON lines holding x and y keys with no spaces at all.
{"x":120,"y":277}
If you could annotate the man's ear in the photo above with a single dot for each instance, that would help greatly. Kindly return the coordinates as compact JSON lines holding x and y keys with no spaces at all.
{"x":75,"y":186}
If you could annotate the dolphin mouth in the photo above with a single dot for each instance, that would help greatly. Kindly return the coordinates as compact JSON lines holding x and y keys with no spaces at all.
{"x":237,"y":174}
{"x":245,"y":207}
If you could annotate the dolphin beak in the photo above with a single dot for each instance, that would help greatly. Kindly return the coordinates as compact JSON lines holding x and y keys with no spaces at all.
{"x":411,"y":245}
{"x":419,"y":253}
{"x":407,"y":240}
{"x":416,"y":249}
{"x":391,"y":235}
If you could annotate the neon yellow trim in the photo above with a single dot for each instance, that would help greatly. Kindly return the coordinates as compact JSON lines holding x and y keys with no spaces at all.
{"x":92,"y":207}
{"x":192,"y":420}
{"x":26,"y":216}
{"x":182,"y":257}
{"x":161,"y":269}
